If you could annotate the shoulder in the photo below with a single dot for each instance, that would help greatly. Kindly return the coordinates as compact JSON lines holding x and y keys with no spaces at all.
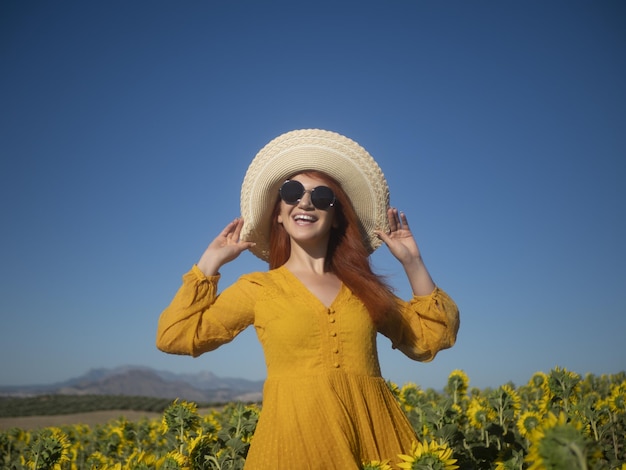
{"x":262,"y":278}
{"x":260,"y":285}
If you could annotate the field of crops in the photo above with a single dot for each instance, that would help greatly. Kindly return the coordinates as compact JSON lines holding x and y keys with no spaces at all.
{"x":558,"y":420}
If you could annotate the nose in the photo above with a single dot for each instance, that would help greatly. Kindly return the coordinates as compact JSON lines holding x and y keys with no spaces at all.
{"x":305,"y":201}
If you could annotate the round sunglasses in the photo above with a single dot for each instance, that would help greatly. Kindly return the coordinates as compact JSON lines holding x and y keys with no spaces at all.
{"x":292,"y":191}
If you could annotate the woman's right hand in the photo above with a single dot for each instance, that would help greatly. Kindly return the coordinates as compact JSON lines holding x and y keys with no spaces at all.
{"x":226,"y":247}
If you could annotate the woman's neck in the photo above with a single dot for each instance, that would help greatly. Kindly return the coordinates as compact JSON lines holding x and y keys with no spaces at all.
{"x":303,"y":261}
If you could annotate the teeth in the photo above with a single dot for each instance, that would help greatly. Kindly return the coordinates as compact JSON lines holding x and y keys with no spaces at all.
{"x":304,"y":217}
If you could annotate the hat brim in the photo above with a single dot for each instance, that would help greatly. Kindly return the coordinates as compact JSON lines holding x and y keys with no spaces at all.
{"x":313,"y":149}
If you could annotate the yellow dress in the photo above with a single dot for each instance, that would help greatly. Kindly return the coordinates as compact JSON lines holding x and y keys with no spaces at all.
{"x":325,"y":404}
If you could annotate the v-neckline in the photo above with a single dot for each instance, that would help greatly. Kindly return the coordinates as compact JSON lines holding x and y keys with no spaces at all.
{"x":310,"y":293}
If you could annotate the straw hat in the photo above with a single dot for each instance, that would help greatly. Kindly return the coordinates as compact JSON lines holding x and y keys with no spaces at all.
{"x":313,"y":149}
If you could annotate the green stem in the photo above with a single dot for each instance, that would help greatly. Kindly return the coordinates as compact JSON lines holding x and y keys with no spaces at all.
{"x":181,"y":437}
{"x":615,"y":446}
{"x":582,"y":461}
{"x":238,"y":428}
{"x":212,"y":459}
{"x":594,"y":428}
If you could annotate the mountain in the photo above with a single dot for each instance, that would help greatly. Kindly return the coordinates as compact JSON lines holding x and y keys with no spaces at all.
{"x":203,"y":387}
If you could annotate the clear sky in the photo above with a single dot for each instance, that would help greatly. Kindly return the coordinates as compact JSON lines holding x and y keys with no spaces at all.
{"x":127,"y":127}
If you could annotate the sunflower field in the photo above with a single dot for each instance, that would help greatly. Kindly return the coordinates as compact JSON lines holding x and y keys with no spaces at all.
{"x":557,"y":420}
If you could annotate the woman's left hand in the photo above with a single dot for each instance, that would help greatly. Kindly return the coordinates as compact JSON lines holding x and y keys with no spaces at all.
{"x":403,"y":246}
{"x":399,"y":239}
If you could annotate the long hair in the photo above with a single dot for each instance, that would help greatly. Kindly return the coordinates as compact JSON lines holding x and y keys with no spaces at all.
{"x":347,"y":256}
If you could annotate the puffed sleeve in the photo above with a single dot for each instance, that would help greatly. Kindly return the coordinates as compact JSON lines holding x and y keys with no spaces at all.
{"x":423,"y":326}
{"x":199,"y":320}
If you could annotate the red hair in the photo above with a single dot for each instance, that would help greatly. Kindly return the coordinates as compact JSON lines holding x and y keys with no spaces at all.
{"x":347,"y":256}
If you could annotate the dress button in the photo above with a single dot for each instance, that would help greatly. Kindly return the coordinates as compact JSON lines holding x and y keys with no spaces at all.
{"x":333,"y":334}
{"x":331,"y":319}
{"x":336,"y":351}
{"x":336,"y":365}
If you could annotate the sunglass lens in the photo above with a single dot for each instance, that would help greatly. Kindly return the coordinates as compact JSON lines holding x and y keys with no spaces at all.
{"x":322,"y":197}
{"x":291,"y":191}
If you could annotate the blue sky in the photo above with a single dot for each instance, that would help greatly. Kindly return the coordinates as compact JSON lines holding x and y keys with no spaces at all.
{"x":127,"y":127}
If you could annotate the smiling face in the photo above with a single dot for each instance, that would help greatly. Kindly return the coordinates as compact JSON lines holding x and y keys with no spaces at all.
{"x":306,"y":225}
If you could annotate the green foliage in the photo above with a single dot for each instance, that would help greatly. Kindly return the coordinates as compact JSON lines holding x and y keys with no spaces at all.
{"x":557,"y":420}
{"x":48,"y":448}
{"x":45,"y":405}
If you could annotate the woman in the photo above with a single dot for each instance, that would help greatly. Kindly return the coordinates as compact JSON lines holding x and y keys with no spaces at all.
{"x":315,"y":205}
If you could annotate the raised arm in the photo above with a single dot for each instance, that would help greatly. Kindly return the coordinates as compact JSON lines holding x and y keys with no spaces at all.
{"x":197,"y":320}
{"x":224,"y":248}
{"x":403,"y":246}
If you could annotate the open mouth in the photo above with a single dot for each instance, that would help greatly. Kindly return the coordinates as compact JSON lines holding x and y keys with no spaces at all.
{"x":304,"y":218}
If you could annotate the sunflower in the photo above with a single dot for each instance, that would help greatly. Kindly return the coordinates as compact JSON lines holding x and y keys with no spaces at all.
{"x":179,"y":415}
{"x":539,"y":380}
{"x":394,"y":388}
{"x":428,"y":456}
{"x":558,"y":444}
{"x":97,"y":461}
{"x":140,"y":458}
{"x":511,"y":397}
{"x":510,"y":460}
{"x":528,"y":422}
{"x":480,"y":413}
{"x":617,"y":399}
{"x":49,"y":449}
{"x":458,"y":383}
{"x":174,"y":460}
{"x":564,"y":387}
{"x":201,"y":447}
{"x":211,"y":423}
{"x":506,"y":403}
{"x":409,"y":396}
{"x":376,"y":465}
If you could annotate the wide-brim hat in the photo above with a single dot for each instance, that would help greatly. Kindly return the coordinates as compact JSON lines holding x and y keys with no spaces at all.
{"x":313,"y":149}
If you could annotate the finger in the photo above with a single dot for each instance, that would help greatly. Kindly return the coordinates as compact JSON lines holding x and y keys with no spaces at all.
{"x":228,"y":229}
{"x":383,"y":236}
{"x":404,"y":220}
{"x":238,"y":227}
{"x":392,"y":215}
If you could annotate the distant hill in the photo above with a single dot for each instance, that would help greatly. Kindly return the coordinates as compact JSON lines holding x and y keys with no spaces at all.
{"x":144,"y":381}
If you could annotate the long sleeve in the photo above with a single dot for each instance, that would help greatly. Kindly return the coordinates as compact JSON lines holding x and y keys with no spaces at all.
{"x":199,"y":320}
{"x":423,"y":326}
